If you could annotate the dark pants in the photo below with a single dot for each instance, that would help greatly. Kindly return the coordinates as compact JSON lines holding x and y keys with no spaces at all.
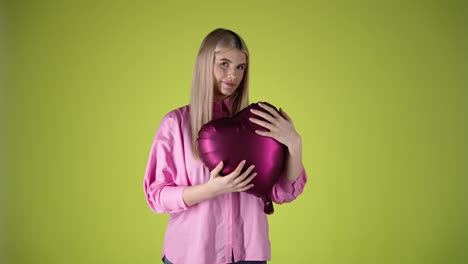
{"x":166,"y":261}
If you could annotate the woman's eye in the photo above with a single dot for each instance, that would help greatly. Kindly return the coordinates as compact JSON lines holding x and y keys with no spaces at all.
{"x":241,"y":67}
{"x":225,"y":64}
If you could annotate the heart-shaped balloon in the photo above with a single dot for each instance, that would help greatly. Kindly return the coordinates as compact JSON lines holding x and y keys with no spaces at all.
{"x":233,"y":139}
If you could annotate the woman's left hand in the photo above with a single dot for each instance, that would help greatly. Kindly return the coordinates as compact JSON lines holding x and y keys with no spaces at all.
{"x":280,"y":126}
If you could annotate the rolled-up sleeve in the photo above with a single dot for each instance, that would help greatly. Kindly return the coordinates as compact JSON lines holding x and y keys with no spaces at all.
{"x":285,"y":190}
{"x":162,"y":194}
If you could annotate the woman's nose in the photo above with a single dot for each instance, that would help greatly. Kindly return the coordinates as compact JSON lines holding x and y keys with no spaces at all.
{"x":231,"y":74}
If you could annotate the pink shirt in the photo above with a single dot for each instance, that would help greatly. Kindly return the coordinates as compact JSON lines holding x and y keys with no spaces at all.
{"x":211,"y":231}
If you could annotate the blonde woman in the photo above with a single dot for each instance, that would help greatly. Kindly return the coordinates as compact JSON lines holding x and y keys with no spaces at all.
{"x":212,"y":220}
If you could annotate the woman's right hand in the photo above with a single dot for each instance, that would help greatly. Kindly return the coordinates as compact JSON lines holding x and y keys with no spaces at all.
{"x":233,"y":182}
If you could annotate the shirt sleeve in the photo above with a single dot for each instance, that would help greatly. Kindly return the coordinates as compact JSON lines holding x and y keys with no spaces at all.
{"x":285,"y":190}
{"x":162,"y":194}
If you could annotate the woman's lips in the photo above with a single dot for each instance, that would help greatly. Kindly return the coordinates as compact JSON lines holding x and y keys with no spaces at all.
{"x":228,"y":84}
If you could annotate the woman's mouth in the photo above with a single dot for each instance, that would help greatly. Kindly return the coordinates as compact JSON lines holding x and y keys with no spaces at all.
{"x":228,"y":84}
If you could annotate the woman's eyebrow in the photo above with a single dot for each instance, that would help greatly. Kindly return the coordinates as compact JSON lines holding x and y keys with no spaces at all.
{"x":224,"y":59}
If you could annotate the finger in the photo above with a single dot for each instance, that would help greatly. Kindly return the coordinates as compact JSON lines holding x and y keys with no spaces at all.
{"x":282,"y":112}
{"x":247,"y":181}
{"x":245,"y":188}
{"x":244,"y":175}
{"x":264,"y":115}
{"x":217,"y":169}
{"x":264,"y":133}
{"x":237,"y":171}
{"x":270,"y":110}
{"x":265,"y":124}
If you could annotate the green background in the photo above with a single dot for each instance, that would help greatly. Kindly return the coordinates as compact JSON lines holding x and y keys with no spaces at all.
{"x":377,"y":90}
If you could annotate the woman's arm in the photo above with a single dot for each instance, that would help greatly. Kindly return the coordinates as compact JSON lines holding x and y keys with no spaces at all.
{"x":294,"y":166}
{"x":293,"y":177}
{"x":233,"y":182}
{"x":281,"y":128}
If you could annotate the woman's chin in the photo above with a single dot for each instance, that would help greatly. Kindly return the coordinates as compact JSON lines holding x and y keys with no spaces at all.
{"x":224,"y":92}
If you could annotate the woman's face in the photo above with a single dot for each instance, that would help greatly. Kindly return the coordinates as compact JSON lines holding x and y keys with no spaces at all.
{"x":229,"y":66}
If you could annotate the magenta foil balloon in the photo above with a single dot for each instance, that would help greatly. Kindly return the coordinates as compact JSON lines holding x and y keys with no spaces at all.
{"x":232,"y":140}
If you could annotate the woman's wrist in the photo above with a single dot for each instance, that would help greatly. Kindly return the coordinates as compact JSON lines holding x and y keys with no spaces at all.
{"x":211,"y":190}
{"x":198,"y":193}
{"x":295,"y":146}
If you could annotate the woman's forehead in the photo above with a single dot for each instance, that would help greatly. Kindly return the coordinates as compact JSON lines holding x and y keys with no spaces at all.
{"x":231,"y":54}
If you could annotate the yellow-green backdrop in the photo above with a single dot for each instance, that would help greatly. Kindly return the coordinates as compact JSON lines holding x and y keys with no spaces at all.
{"x":377,"y":89}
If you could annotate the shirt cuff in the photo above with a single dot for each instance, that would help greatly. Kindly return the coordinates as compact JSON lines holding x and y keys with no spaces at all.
{"x":173,"y":198}
{"x":290,"y":185}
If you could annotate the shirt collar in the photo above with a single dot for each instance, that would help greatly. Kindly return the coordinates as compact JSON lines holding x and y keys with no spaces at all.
{"x":223,"y":107}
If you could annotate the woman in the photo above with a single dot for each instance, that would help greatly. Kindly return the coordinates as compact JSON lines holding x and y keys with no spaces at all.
{"x":212,"y":219}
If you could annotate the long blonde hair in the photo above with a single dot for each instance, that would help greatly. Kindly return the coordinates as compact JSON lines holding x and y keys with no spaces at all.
{"x":203,"y":81}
